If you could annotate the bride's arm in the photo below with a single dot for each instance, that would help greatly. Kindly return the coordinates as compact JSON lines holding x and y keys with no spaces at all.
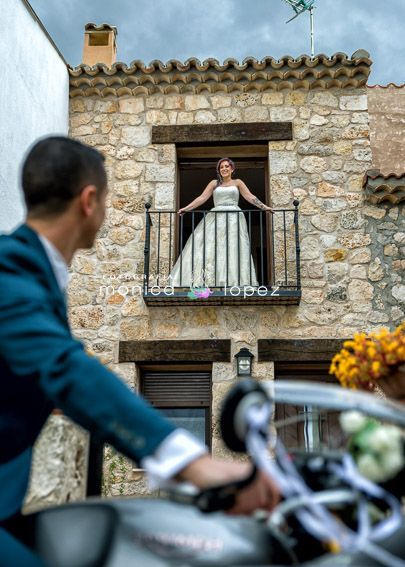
{"x":244,"y":191}
{"x":201,"y":199}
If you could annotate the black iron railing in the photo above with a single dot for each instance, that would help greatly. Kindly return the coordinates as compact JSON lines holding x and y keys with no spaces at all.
{"x":222,"y":254}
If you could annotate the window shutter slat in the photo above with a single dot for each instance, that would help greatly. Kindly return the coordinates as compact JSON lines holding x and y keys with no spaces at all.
{"x":177,"y":389}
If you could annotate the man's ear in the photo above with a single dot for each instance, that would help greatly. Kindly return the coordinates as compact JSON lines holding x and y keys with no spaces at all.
{"x":87,"y":199}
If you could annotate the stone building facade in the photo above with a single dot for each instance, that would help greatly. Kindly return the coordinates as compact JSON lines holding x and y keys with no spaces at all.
{"x":352,"y":234}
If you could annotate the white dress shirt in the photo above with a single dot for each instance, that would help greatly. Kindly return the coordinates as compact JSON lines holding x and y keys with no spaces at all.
{"x":179,"y":448}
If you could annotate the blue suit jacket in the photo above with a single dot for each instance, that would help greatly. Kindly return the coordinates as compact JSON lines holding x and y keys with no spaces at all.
{"x":42,"y":366}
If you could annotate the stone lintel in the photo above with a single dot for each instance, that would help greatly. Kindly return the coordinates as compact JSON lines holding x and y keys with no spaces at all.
{"x":244,"y":133}
{"x":213,"y":350}
{"x":298,"y":350}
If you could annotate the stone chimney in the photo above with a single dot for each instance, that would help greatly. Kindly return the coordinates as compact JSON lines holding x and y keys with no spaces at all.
{"x":99,"y":44}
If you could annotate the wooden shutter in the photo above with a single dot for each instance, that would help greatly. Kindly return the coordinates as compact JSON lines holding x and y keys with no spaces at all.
{"x":177,"y":389}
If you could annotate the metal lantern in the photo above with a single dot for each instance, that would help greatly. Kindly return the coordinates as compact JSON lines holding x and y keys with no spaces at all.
{"x":244,"y":362}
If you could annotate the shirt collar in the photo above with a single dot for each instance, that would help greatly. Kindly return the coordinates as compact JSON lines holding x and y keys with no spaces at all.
{"x":57,"y":261}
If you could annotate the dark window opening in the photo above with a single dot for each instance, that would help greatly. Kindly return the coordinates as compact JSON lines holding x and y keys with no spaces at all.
{"x":196,"y":173}
{"x":307,"y":427}
{"x":184,"y":397}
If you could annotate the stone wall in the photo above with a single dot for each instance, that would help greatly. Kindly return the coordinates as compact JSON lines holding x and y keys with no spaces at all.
{"x":344,"y":285}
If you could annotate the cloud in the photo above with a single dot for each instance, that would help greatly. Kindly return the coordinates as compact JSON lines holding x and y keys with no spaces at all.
{"x":165,"y":29}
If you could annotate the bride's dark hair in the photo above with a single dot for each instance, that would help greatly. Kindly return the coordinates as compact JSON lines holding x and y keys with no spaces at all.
{"x":231,"y":163}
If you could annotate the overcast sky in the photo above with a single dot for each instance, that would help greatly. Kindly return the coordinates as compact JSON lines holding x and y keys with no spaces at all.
{"x":180,"y":29}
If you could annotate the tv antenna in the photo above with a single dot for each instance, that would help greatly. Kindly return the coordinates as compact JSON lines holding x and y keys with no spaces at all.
{"x":300,"y":6}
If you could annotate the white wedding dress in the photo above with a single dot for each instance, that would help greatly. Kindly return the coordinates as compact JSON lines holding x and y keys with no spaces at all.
{"x":207,"y":265}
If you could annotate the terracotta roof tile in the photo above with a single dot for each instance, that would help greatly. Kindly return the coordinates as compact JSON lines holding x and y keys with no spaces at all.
{"x":194,"y":76}
{"x":381,"y":187}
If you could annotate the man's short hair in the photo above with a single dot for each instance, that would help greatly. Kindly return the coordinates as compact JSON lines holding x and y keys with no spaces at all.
{"x":55,"y":171}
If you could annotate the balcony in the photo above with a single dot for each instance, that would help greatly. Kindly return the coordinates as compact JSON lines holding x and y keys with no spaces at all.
{"x":222,"y":257}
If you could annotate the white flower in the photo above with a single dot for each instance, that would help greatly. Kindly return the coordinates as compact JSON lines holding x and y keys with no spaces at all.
{"x":392,"y":463}
{"x":385,"y":438}
{"x":352,"y":421}
{"x":369,"y":467}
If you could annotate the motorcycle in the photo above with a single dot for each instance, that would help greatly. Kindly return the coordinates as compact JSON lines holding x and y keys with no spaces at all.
{"x":329,"y":517}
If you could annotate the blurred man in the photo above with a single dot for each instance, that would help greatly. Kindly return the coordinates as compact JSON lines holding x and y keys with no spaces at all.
{"x":42,"y":366}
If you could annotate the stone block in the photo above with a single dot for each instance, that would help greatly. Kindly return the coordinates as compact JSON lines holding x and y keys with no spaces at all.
{"x":358,"y":272}
{"x":195,"y":102}
{"x":324,"y":98}
{"x":356,"y":102}
{"x":310,"y":249}
{"x":59,"y":467}
{"x":273,"y":98}
{"x":136,"y":135}
{"x":204,"y":117}
{"x":282,"y":162}
{"x":133,"y":105}
{"x":128,"y":169}
{"x":156,"y":117}
{"x":77,"y":105}
{"x":343,"y":147}
{"x":376,"y":271}
{"x":296,"y":98}
{"x":221,"y":101}
{"x":301,"y":130}
{"x":352,"y":220}
{"x":256,"y":114}
{"x":326,"y":222}
{"x":318,"y":120}
{"x":229,"y":115}
{"x":310,"y":149}
{"x":155,"y":101}
{"x":335,"y":255}
{"x":86,"y":317}
{"x":336,"y":293}
{"x":185,"y":118}
{"x":223,"y":372}
{"x":362,"y":154}
{"x":327,"y":190}
{"x":164,"y":196}
{"x":247,"y":99}
{"x":391,"y":250}
{"x":336,"y":272}
{"x":355,"y":240}
{"x":174,"y":102}
{"x":313,"y":164}
{"x":157,"y":172}
{"x":282,"y":114}
{"x":360,"y":291}
{"x":107,"y":106}
{"x":121,"y":234}
{"x":281,"y":194}
{"x":339,"y":120}
{"x":313,"y":296}
{"x":357,"y":131}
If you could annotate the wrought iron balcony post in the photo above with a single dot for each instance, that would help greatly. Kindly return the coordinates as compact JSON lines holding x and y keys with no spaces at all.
{"x":146,"y":250}
{"x":297,"y":244}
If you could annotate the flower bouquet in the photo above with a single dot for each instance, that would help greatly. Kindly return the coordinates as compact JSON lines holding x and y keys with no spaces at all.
{"x":376,"y":359}
{"x":376,"y":448}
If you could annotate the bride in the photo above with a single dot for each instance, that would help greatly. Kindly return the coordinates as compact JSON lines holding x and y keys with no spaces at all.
{"x":213,"y":256}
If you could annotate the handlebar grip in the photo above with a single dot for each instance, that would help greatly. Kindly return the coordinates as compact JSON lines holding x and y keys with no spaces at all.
{"x":222,"y":497}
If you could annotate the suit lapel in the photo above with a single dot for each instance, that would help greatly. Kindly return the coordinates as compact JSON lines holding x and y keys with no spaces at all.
{"x":26,"y":234}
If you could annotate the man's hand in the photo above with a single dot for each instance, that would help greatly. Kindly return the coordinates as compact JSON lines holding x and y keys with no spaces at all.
{"x":206,"y":472}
